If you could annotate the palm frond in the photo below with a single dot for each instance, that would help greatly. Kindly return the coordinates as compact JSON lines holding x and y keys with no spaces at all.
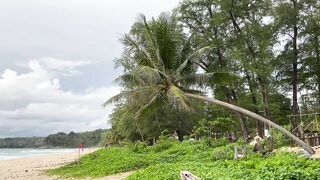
{"x":153,"y":44}
{"x":116,"y":98}
{"x":132,"y":45}
{"x":142,"y":75}
{"x":203,"y":78}
{"x":193,"y":91}
{"x":197,"y":54}
{"x":146,"y":106}
{"x":129,"y":94}
{"x":148,"y":73}
{"x":168,"y":40}
{"x":123,"y":79}
{"x":184,"y":52}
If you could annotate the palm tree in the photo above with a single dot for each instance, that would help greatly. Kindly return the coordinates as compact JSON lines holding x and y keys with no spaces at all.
{"x":162,"y":68}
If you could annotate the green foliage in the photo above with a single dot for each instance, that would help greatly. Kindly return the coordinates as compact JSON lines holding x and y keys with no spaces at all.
{"x":206,"y":128}
{"x":278,"y":166}
{"x":279,"y":138}
{"x":137,"y":147}
{"x":223,"y":153}
{"x":210,"y":142}
{"x":104,"y":162}
{"x":162,"y":145}
{"x":165,"y":161}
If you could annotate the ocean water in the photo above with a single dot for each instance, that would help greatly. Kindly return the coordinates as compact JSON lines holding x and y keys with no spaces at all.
{"x":12,"y":153}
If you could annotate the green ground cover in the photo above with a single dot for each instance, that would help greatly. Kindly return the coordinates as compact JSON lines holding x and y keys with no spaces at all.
{"x":208,"y":160}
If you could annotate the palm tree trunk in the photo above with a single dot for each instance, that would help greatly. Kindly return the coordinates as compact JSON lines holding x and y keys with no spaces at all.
{"x":255,"y":116}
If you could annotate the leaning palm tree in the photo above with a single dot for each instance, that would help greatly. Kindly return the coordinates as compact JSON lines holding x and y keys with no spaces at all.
{"x":162,"y":68}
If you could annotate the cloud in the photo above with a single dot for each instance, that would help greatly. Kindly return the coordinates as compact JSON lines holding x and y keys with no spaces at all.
{"x":56,"y":66}
{"x":33,"y":103}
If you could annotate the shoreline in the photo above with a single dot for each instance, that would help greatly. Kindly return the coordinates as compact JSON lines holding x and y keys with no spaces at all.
{"x":33,"y":167}
{"x":15,"y":153}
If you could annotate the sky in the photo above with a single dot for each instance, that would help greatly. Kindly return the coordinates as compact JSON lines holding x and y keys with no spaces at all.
{"x":56,"y":61}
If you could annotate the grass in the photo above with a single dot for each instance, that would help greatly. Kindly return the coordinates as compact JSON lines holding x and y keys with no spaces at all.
{"x":208,"y":160}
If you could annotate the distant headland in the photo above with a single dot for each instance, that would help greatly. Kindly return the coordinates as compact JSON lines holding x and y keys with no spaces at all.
{"x":58,"y":140}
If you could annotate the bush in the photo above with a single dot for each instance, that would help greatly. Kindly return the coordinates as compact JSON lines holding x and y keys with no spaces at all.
{"x":161,"y":146}
{"x":223,"y":153}
{"x":279,"y":138}
{"x":212,"y":143}
{"x":137,"y":147}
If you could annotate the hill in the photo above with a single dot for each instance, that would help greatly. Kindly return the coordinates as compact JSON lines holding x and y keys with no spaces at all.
{"x":60,"y":139}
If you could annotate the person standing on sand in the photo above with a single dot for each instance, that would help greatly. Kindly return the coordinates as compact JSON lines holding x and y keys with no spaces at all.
{"x":81,"y":146}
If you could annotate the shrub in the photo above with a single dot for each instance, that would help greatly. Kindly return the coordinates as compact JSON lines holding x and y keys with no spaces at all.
{"x":163,"y":145}
{"x":137,"y":147}
{"x":279,"y":138}
{"x":223,"y":153}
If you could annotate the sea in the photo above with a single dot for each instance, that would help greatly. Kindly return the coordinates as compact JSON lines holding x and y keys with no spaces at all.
{"x":12,"y":153}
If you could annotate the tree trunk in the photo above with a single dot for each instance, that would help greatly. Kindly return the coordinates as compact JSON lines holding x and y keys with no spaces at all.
{"x":295,"y":71}
{"x":140,"y":132}
{"x":254,"y":101}
{"x":318,"y":64}
{"x":232,"y":99}
{"x":242,"y":121}
{"x":180,"y":135}
{"x":244,"y":127}
{"x":265,"y":97}
{"x":255,"y":116}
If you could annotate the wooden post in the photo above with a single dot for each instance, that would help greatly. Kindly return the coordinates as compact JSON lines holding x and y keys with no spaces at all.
{"x":79,"y":155}
{"x":236,"y":153}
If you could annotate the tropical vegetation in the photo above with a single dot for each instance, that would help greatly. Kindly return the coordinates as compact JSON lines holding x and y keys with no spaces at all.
{"x":215,"y":69}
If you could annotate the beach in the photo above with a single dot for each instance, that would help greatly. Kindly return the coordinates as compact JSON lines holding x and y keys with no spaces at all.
{"x":33,"y":168}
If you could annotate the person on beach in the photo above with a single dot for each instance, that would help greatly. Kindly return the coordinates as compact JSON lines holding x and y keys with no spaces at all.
{"x":81,"y":146}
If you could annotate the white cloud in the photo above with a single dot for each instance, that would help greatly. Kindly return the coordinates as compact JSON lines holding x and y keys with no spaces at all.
{"x":33,"y":103}
{"x":56,"y":66}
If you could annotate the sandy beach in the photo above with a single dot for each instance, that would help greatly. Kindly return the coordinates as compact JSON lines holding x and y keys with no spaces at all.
{"x":32,"y":168}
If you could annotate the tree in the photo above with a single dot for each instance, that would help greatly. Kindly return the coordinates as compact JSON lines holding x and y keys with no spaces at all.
{"x":164,"y":71}
{"x":289,"y":22}
{"x":242,"y":40}
{"x":311,"y":49}
{"x":210,"y":26}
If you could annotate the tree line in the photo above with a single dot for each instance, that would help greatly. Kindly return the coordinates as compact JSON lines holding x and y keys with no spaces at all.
{"x":60,"y":139}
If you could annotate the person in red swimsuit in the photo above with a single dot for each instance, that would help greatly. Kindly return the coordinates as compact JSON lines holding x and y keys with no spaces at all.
{"x":81,"y":146}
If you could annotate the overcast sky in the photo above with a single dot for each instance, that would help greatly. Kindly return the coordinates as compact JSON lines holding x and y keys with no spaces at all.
{"x":56,"y":61}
